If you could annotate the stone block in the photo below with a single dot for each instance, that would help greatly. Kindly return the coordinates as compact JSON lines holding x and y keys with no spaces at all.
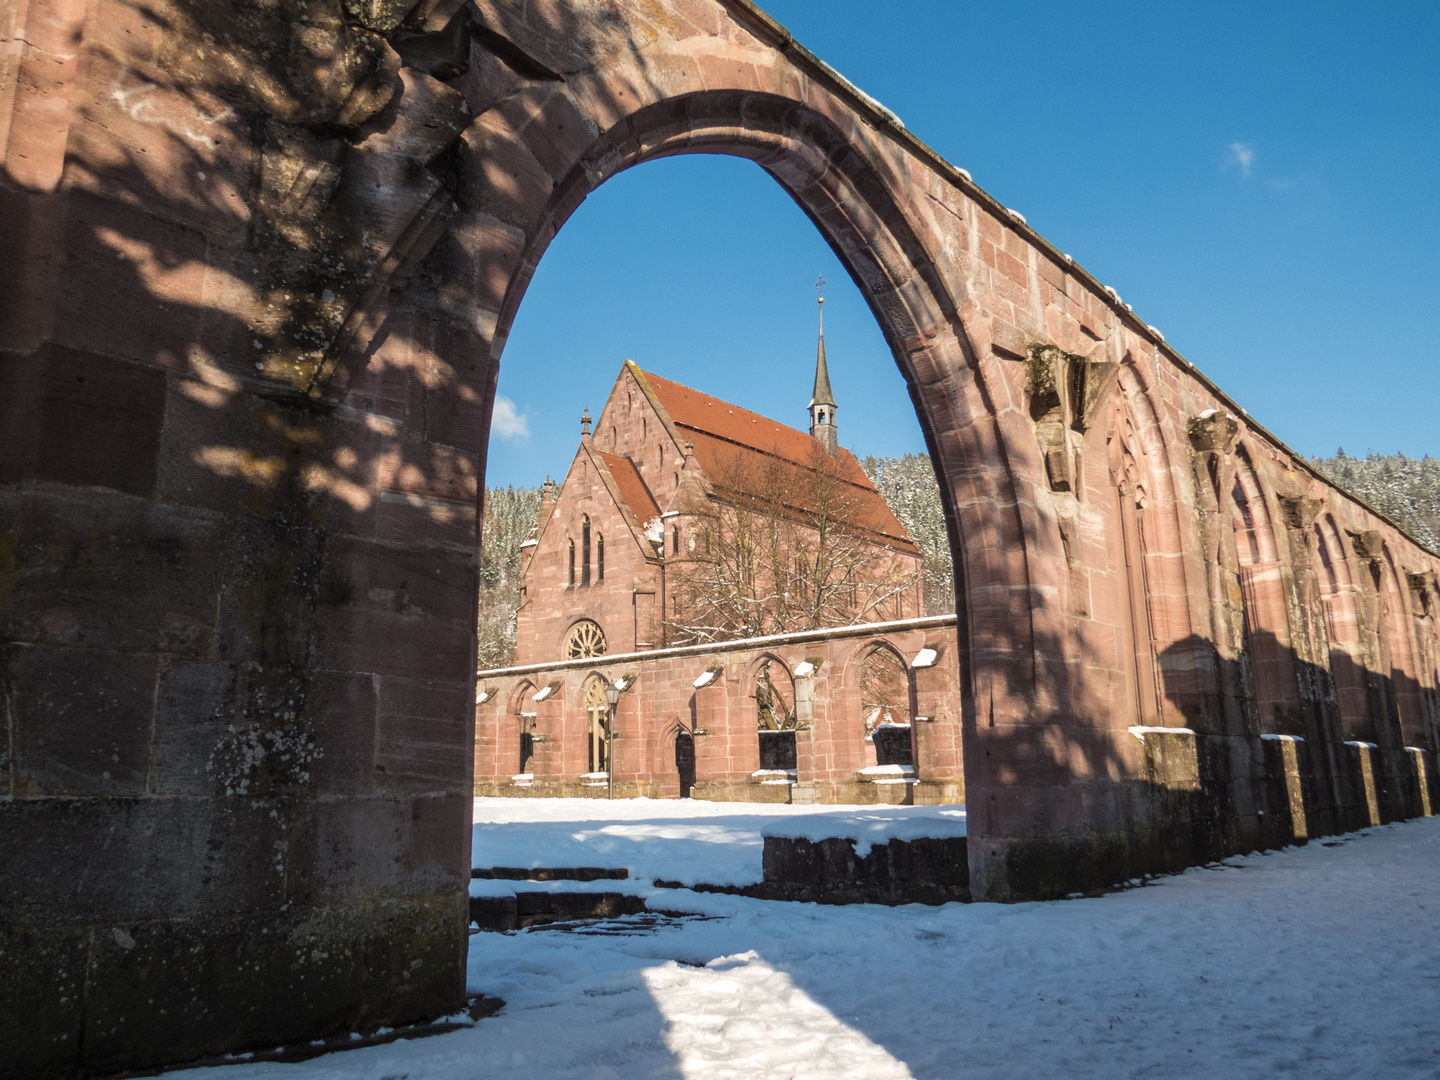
{"x":175,"y":151}
{"x":79,"y":721}
{"x":130,"y":284}
{"x":83,"y":420}
{"x":104,"y":571}
{"x":424,"y":734}
{"x":42,"y":998}
{"x":71,"y":862}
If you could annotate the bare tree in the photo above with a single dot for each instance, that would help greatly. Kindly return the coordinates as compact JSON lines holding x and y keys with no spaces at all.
{"x":509,"y":521}
{"x":776,"y":546}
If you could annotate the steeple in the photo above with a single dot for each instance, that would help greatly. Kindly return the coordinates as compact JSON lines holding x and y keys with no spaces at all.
{"x":822,"y":399}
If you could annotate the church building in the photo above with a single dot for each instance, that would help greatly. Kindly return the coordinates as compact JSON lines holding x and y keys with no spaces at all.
{"x":690,"y":533}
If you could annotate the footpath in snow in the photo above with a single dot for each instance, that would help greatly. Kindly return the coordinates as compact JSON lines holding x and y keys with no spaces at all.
{"x":1320,"y":962}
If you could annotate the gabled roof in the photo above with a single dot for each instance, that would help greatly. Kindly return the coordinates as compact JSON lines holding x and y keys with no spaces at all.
{"x":632,"y":487}
{"x":730,"y":441}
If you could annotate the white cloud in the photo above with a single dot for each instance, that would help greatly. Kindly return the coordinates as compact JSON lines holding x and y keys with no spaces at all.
{"x":506,"y":421}
{"x":1243,"y":155}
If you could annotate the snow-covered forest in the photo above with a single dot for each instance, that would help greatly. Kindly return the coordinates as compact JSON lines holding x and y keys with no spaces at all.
{"x":1406,"y":490}
{"x":509,"y":519}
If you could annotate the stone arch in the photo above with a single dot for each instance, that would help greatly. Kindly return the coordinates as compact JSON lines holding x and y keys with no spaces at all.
{"x":595,"y":711}
{"x":819,"y":161}
{"x":1347,"y":648}
{"x":520,"y":728}
{"x":1175,"y":625}
{"x":1131,"y":489}
{"x":1403,"y":669}
{"x":886,"y":695}
{"x":1267,"y":664}
{"x":679,"y":741}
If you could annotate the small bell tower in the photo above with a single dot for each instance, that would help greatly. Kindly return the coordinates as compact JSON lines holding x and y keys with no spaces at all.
{"x":822,"y":399}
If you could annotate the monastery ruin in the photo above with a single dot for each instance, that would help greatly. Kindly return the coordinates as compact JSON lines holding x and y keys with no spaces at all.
{"x":260,"y":265}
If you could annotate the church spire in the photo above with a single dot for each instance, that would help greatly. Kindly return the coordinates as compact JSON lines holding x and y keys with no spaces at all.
{"x":822,"y":399}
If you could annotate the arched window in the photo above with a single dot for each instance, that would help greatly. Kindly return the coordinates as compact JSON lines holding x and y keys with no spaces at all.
{"x":585,"y":550}
{"x":597,"y":709}
{"x":885,"y":706}
{"x":775,"y":718}
{"x":572,"y":562}
{"x":660,"y":456}
{"x":675,"y":539}
{"x":525,"y":728}
{"x":600,"y":557}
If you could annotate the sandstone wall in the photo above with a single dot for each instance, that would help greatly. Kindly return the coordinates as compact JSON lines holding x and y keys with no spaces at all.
{"x":661,"y":703}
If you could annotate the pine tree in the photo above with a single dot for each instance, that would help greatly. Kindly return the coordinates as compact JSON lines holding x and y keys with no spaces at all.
{"x":1406,"y":490}
{"x":909,"y":486}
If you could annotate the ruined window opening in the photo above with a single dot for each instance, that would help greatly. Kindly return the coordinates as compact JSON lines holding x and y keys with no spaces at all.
{"x":572,"y":562}
{"x":600,"y":557}
{"x":585,"y":550}
{"x":777,"y":751}
{"x":525,"y":729}
{"x":685,"y":762}
{"x":885,"y":707}
{"x":775,"y":718}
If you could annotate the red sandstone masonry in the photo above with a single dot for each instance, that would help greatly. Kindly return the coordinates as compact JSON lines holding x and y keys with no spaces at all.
{"x":663,"y":702}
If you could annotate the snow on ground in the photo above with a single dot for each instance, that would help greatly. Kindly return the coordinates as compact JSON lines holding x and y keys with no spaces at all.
{"x":1320,"y":961}
{"x":686,"y":840}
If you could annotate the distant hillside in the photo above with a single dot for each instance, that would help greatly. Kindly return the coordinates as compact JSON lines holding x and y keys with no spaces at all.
{"x":1406,"y":490}
{"x":909,"y":486}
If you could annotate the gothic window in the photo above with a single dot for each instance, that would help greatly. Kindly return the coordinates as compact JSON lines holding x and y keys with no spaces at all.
{"x":600,"y":557}
{"x":585,"y":639}
{"x":675,"y":539}
{"x":572,"y":562}
{"x":775,"y":719}
{"x":585,"y":550}
{"x":885,"y":706}
{"x":597,"y":709}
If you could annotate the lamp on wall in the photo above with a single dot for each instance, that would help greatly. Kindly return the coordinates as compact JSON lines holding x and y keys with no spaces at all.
{"x":612,"y":695}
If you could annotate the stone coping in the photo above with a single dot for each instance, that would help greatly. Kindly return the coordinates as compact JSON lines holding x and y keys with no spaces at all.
{"x":894,"y":626}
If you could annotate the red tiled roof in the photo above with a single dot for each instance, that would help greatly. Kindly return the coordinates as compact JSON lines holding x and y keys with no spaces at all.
{"x":724,"y":436}
{"x":632,"y":487}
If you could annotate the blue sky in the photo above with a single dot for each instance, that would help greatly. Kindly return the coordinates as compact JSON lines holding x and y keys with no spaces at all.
{"x":1257,"y":180}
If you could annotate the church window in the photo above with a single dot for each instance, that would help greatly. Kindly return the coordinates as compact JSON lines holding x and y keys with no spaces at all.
{"x":660,"y":456}
{"x":675,"y":539}
{"x":585,"y":550}
{"x":585,"y":639}
{"x":644,"y":424}
{"x":600,"y":557}
{"x":572,"y":562}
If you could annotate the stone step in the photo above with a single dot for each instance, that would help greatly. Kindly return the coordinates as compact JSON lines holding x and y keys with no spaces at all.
{"x":550,"y":873}
{"x":526,"y":909}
